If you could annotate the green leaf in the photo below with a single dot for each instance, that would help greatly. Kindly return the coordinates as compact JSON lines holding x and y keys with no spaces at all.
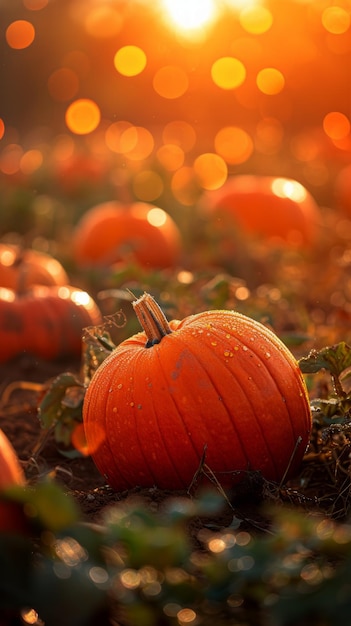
{"x":55,"y":402}
{"x":46,"y":504}
{"x":335,"y":359}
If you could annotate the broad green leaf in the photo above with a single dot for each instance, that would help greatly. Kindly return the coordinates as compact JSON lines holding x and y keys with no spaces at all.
{"x":54,"y":403}
{"x":335,"y":359}
{"x":47,"y":504}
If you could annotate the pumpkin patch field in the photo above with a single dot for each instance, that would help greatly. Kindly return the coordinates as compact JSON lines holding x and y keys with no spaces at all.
{"x":175,"y":313}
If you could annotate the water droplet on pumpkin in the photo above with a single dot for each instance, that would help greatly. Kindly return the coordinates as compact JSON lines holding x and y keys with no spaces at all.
{"x":226,"y":353}
{"x":213,"y":343}
{"x":114,"y":410}
{"x":119,"y":386}
{"x":227,"y":336}
{"x":131,"y":404}
{"x":245,"y":348}
{"x":268,"y":355}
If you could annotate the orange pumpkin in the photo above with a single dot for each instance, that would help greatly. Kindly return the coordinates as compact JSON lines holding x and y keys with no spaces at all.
{"x":274,"y":209}
{"x":46,"y":322}
{"x":11,"y":472}
{"x":139,"y":232}
{"x":217,"y":384}
{"x":21,"y":268}
{"x":12,"y":518}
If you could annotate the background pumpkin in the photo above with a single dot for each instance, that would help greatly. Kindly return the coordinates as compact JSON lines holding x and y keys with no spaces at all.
{"x":138,"y":232}
{"x":46,"y":322}
{"x":275,"y":209}
{"x":217,"y":382}
{"x":22,"y":267}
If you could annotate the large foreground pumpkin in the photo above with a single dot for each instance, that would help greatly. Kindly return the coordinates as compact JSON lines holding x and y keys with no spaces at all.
{"x":216,"y":385}
{"x":46,"y":322}
{"x":275,"y":209}
{"x":138,"y":232}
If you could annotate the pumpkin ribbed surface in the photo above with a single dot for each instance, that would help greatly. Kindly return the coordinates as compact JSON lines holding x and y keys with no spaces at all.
{"x":219,"y":382}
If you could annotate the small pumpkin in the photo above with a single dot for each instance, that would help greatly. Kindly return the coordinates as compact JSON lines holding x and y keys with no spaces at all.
{"x":277,"y":210}
{"x":46,"y":322}
{"x":216,"y":383}
{"x":22,"y":267}
{"x":11,"y":472}
{"x":138,"y":232}
{"x":12,"y":518}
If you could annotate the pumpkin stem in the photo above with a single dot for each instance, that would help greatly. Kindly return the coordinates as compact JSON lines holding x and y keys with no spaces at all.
{"x":151,"y":318}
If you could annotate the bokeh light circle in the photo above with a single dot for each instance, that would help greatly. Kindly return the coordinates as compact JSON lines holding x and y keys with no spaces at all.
{"x":336,"y":20}
{"x":336,"y":125}
{"x":103,"y":22}
{"x":130,"y":60}
{"x":228,"y":73}
{"x":211,"y":170}
{"x":83,"y":116}
{"x":256,"y":19}
{"x":270,"y":81}
{"x":233,"y":144}
{"x":20,"y":34}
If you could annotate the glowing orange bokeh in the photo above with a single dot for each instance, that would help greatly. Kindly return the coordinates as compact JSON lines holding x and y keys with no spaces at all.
{"x":233,"y":144}
{"x":336,"y":125}
{"x":130,"y":60}
{"x":83,"y":116}
{"x":20,"y":34}
{"x":270,"y":81}
{"x":336,"y":20}
{"x":103,"y":22}
{"x":228,"y":73}
{"x":256,"y":19}
{"x":210,"y":170}
{"x":35,"y":5}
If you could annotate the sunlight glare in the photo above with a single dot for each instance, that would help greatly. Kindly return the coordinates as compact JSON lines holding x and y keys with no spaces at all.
{"x":189,"y":15}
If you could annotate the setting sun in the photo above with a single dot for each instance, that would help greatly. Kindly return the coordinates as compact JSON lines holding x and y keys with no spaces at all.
{"x":189,"y":15}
